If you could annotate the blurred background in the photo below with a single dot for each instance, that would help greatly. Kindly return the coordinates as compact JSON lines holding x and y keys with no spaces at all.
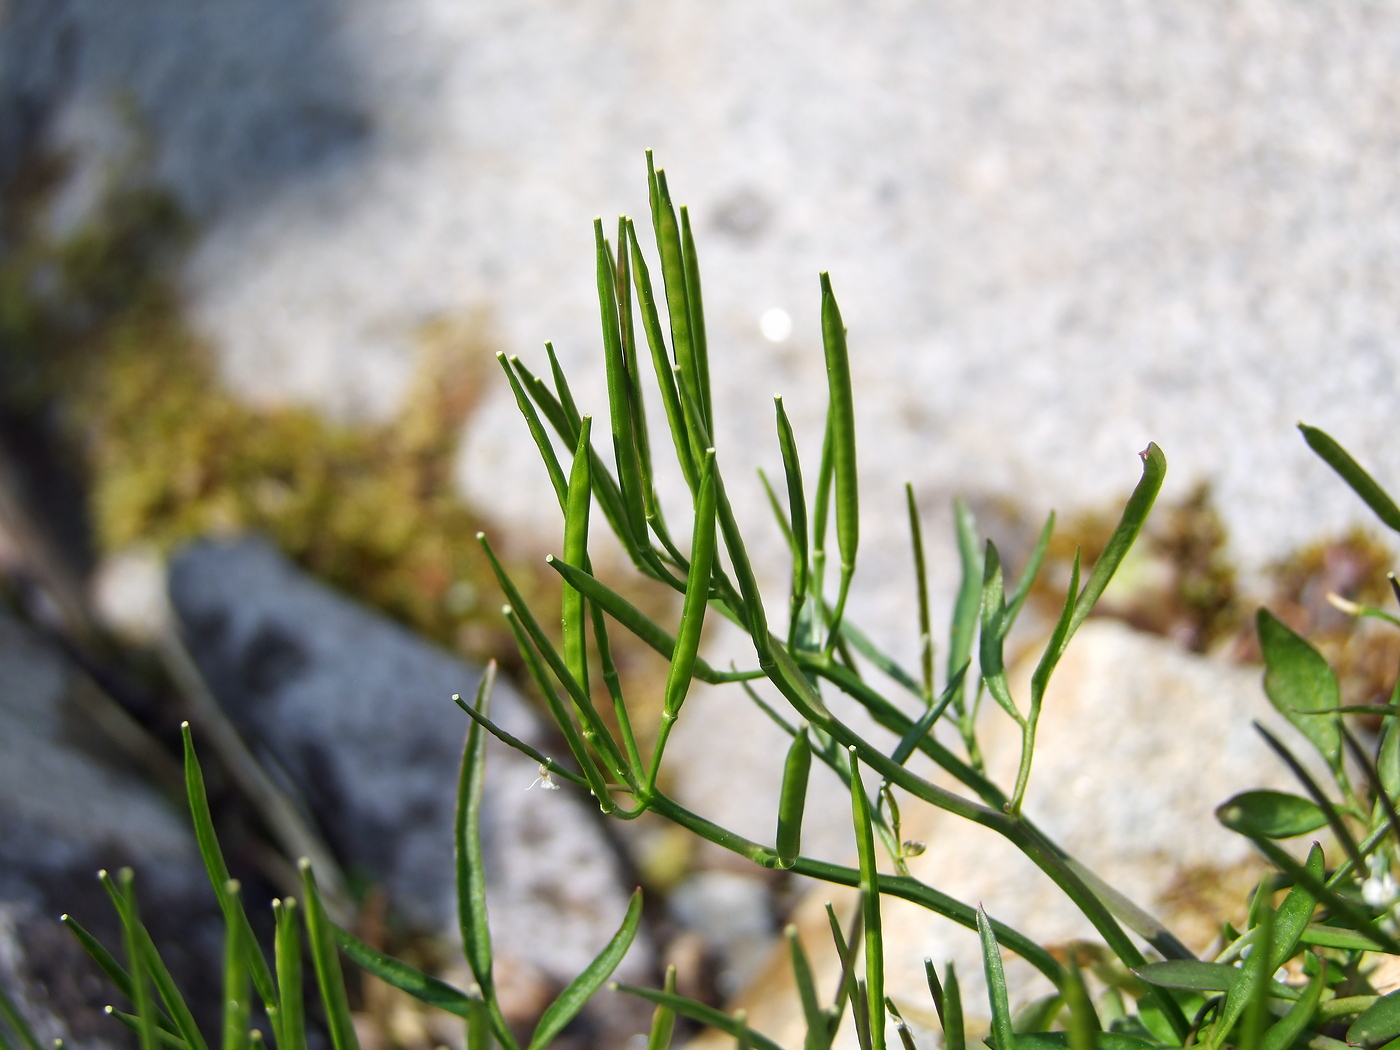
{"x":257,"y":256}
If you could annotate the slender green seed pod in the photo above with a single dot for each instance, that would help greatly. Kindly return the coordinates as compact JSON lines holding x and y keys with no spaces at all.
{"x":793,"y":800}
{"x":576,"y":553}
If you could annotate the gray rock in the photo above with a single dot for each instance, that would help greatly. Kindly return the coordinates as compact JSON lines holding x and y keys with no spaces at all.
{"x":69,"y":805}
{"x":734,"y":915}
{"x":356,"y":714}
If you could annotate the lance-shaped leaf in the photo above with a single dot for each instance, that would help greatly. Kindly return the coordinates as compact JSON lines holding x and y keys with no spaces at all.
{"x":576,"y":553}
{"x":842,"y":424}
{"x":797,"y":509}
{"x":1294,"y":914}
{"x":1353,"y":474}
{"x":818,"y":1024}
{"x":706,"y":1015}
{"x":400,"y":975}
{"x":870,"y":906}
{"x":572,"y":999}
{"x":916,"y":540}
{"x":660,"y":362}
{"x":1380,"y":1023}
{"x":954,"y":1033}
{"x":561,"y":389}
{"x":238,"y":985}
{"x":697,"y":589}
{"x":519,"y":745}
{"x":697,"y":313}
{"x":1301,"y":685}
{"x":697,"y":594}
{"x":1002,"y":1030}
{"x":145,"y":962}
{"x":1334,"y":818}
{"x":537,"y":432}
{"x":663,"y":1018}
{"x":235,"y":917}
{"x":10,"y":1014}
{"x":792,"y":801}
{"x":966,"y":607}
{"x":629,"y":467}
{"x":612,"y":681}
{"x":133,"y":1024}
{"x":668,"y":244}
{"x":993,"y":634}
{"x":1083,"y":1019}
{"x":321,"y":934}
{"x":1154,"y":471}
{"x":1282,"y":1034}
{"x":470,"y":863}
{"x":1271,"y":814}
{"x":291,"y":1018}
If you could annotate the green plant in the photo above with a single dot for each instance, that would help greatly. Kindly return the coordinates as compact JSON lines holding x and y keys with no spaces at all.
{"x":1331,"y":923}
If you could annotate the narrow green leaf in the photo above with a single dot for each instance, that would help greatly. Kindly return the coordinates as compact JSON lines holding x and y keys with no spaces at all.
{"x":1190,"y":975}
{"x":919,"y":730}
{"x":636,"y":405}
{"x":1271,"y":814}
{"x":320,"y":933}
{"x":792,"y":801}
{"x":1373,"y":780}
{"x":1296,"y":911}
{"x":572,"y":999}
{"x":1002,"y":1030}
{"x":151,"y":966}
{"x":525,"y":749}
{"x":1154,"y":470}
{"x":797,"y":512}
{"x":1298,"y":681}
{"x":1337,"y":937}
{"x":660,"y":362}
{"x":697,"y":589}
{"x":1282,"y":1034}
{"x":100,"y":955}
{"x":1032,"y":570}
{"x":860,"y":1015}
{"x":818,"y":1030}
{"x":870,"y":906}
{"x":1334,"y":819}
{"x":125,"y":898}
{"x":842,"y":424}
{"x":636,"y":621}
{"x":400,"y":975}
{"x":1379,"y":1024}
{"x":706,"y":1015}
{"x":821,"y":508}
{"x":1248,"y":1000}
{"x":1038,"y":1015}
{"x":612,"y":681}
{"x":238,"y":984}
{"x":969,"y":599}
{"x":576,"y":553}
{"x":1353,"y":474}
{"x":479,"y":1027}
{"x":862,"y":644}
{"x":1083,"y":1020}
{"x":235,"y":916}
{"x":1388,"y":761}
{"x":916,"y":539}
{"x":992,"y":636}
{"x":166,"y":1039}
{"x":668,"y":244}
{"x":537,"y":432}
{"x":663,"y":1018}
{"x":562,"y":391}
{"x":846,"y":949}
{"x":906,"y":1037}
{"x":629,"y":467}
{"x":470,"y":863}
{"x":11,"y":1014}
{"x":291,"y":1015}
{"x":697,"y":314}
{"x":954,"y":1033}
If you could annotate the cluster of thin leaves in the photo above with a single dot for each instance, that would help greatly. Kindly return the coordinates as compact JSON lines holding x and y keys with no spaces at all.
{"x":1328,"y":928}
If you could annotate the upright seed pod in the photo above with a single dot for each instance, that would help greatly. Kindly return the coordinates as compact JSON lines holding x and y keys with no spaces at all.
{"x":793,"y":800}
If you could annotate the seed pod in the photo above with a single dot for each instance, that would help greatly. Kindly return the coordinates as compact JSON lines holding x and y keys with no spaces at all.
{"x":793,"y":799}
